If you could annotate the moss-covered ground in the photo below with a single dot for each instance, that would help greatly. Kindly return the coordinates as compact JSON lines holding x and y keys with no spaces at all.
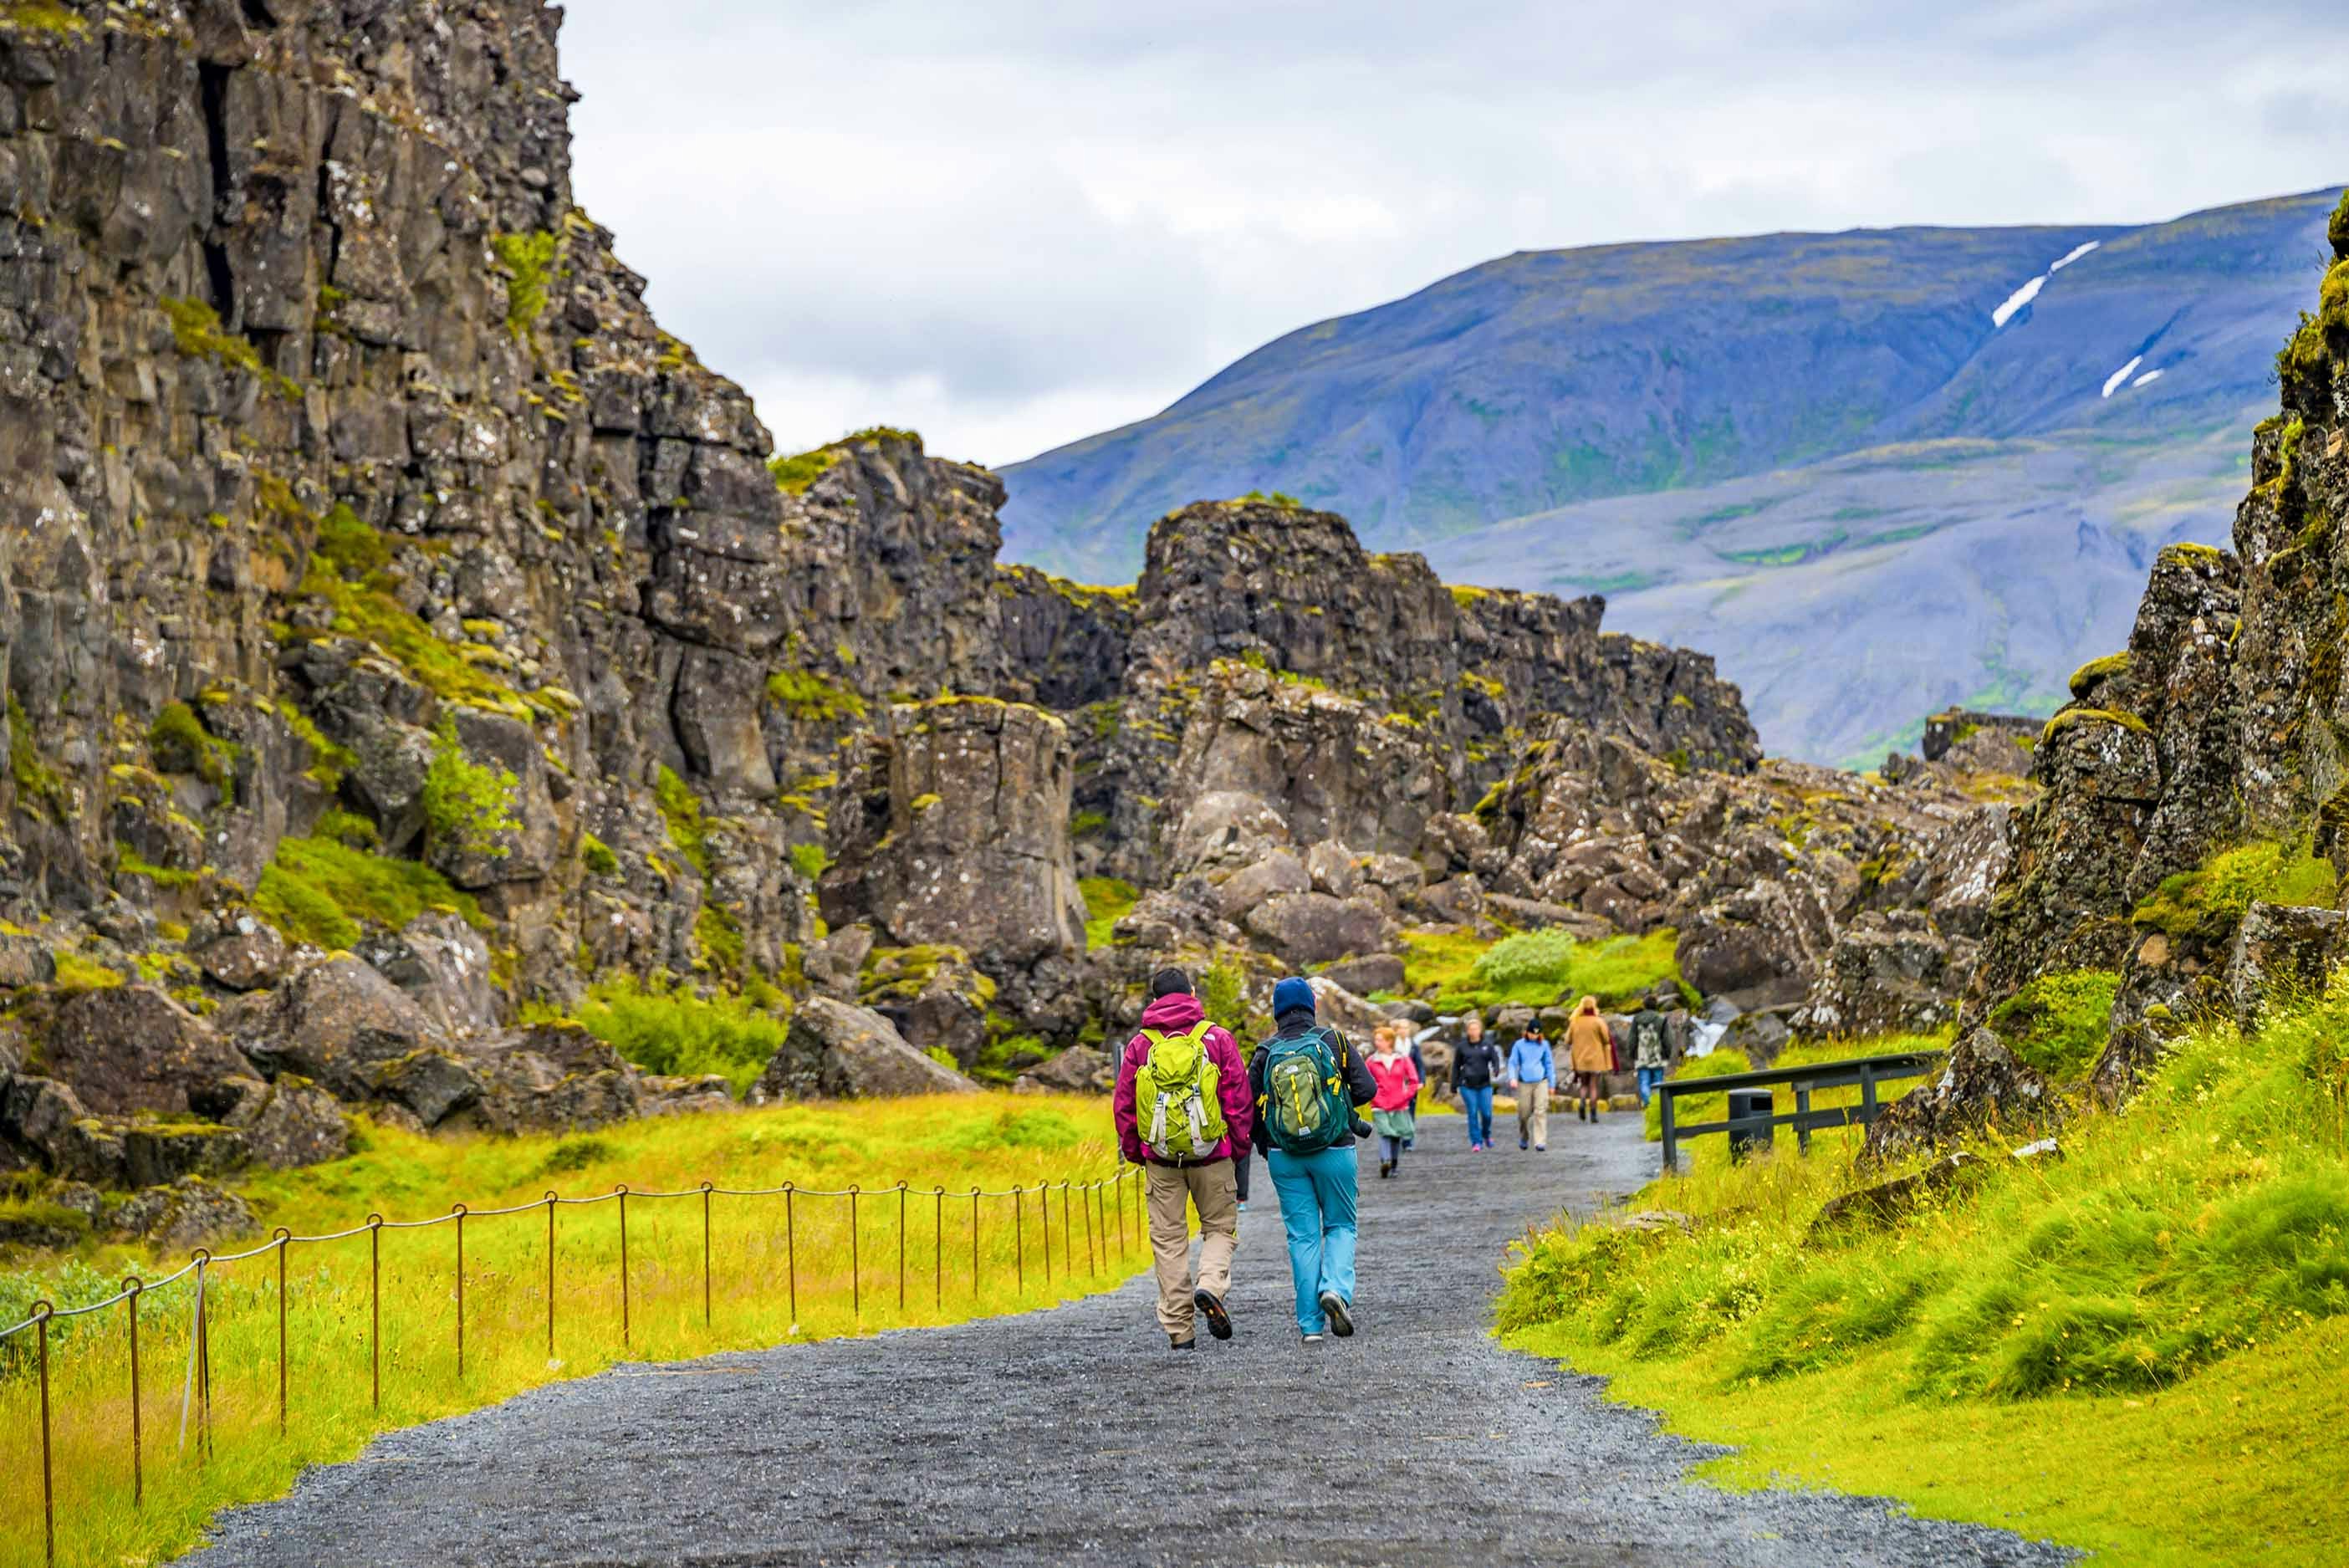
{"x":766,"y":1259}
{"x":2136,"y":1348}
{"x":1458,"y":970}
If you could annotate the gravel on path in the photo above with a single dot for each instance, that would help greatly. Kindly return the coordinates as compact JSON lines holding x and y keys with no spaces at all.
{"x":1074,"y":1435}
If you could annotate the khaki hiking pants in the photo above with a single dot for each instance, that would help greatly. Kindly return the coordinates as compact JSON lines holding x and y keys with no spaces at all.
{"x":1213,"y":1190}
{"x":1533,"y":1112}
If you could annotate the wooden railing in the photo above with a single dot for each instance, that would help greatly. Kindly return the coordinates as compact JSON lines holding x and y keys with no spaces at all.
{"x":1865,"y":1072}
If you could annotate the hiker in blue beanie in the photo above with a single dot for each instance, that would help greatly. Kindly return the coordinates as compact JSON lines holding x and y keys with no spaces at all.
{"x":1307,"y":1082}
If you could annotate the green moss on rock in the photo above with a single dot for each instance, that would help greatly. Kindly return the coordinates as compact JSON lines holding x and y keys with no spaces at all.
{"x":2207,"y":904}
{"x":2058,"y":1023}
{"x":2085,"y":678}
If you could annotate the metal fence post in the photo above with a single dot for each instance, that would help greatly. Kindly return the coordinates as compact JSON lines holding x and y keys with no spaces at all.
{"x":1044,"y":1208}
{"x":1067,"y":1249}
{"x":282,"y":1236}
{"x":375,"y":1308}
{"x":938,"y":1249}
{"x":791,"y":1251}
{"x":974,"y":1244}
{"x":42,"y":1312}
{"x":1019,"y":1242}
{"x":622,"y":1189}
{"x":901,"y":1249}
{"x":705,"y":1255}
{"x":1866,"y":1093}
{"x":138,"y":1463}
{"x":1802,"y":1109}
{"x":458,"y":1210}
{"x":856,"y":1263}
{"x":549,"y":1276}
{"x":1672,"y":1139}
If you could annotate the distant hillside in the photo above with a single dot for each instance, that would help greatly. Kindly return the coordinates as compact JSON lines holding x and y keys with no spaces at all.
{"x":1938,"y":460}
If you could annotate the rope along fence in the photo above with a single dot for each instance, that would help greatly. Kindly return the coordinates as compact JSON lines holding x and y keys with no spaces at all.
{"x":491,"y":1308}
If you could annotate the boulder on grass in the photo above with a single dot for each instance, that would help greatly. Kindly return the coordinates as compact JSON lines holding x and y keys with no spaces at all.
{"x":836,"y":1051}
{"x":432,"y":1086}
{"x":1079,"y":1070}
{"x":1379,"y":972}
{"x":2281,"y":950}
{"x":190,"y":1212}
{"x":290,"y":1123}
{"x":335,"y":1023}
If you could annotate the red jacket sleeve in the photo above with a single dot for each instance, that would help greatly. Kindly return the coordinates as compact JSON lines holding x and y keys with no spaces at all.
{"x":1121,"y":1104}
{"x":1234,"y":1089}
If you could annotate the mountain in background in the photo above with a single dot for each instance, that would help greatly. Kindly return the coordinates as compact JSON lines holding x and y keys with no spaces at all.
{"x":1930,"y":465}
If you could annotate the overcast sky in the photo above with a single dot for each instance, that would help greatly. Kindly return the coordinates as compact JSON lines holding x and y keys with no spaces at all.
{"x":1011,"y":225}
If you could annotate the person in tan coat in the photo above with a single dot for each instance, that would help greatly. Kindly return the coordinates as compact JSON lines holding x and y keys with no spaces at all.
{"x":1590,"y":1051}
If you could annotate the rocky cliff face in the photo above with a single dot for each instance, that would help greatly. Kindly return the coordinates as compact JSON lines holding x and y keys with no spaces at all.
{"x":2187,"y":851}
{"x":399,"y":627}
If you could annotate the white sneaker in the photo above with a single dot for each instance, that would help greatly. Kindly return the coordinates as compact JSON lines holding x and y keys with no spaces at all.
{"x":1312,"y":1339}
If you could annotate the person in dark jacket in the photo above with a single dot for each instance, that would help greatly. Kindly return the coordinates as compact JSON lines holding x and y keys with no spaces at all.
{"x":1475,"y":1062}
{"x":1317,"y":1191}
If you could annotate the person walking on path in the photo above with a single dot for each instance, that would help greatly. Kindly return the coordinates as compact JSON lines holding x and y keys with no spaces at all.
{"x":1394,"y":1109}
{"x":1183,"y":1113}
{"x":1308,"y":1080}
{"x":1651,"y":1048}
{"x":1532,"y":1071}
{"x":1475,"y":1062}
{"x":1591,"y":1052}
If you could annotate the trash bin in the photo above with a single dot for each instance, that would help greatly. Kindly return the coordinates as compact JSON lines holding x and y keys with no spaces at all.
{"x":1748,"y":1103}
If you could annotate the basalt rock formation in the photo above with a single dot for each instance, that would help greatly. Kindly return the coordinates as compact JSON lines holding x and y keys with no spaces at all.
{"x":399,"y":631}
{"x":2194,"y":789}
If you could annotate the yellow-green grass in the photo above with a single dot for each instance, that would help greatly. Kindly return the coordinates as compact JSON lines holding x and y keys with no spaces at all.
{"x":2135,"y":1349}
{"x":762,"y":1251}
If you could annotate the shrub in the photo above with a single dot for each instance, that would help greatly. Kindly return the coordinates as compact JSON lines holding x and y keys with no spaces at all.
{"x":1551,"y":965}
{"x":468,"y":806}
{"x":529,"y":260}
{"x":679,"y":1031}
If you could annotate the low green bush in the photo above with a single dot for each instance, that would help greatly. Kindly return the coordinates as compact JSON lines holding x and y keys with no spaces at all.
{"x":680,"y":1032}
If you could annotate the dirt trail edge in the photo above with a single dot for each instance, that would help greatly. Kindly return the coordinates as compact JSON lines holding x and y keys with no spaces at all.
{"x":1065,"y":1436}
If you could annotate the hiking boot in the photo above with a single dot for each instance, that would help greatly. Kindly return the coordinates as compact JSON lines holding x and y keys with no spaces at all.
{"x":1211,"y":1307}
{"x":1182,"y":1344}
{"x":1341,"y":1320}
{"x":1384,"y":1168}
{"x":1523,"y":1142}
{"x":1541,"y":1148}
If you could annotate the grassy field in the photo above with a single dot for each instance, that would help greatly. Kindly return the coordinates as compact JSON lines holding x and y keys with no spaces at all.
{"x":778,"y":1271}
{"x":2137,"y":1349}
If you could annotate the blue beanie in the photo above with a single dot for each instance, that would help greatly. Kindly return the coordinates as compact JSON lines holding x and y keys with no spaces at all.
{"x":1291,"y":995}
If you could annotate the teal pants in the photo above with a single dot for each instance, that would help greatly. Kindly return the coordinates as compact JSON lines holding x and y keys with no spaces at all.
{"x":1317,"y":1209}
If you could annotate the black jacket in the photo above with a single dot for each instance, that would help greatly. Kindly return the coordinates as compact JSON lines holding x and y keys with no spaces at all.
{"x":1475,"y":1066}
{"x":1359,"y":1086}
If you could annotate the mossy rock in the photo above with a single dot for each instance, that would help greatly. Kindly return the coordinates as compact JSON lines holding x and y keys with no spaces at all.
{"x":2085,"y":679}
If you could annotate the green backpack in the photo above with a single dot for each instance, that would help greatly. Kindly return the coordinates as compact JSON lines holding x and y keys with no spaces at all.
{"x":1304,"y":1105}
{"x":1177,"y":1104}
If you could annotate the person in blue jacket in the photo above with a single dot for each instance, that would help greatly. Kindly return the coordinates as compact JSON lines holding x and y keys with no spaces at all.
{"x":1531,"y":1073}
{"x":1317,"y":1191}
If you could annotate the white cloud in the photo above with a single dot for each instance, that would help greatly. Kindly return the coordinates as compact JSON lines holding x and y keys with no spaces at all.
{"x":1031,"y":218}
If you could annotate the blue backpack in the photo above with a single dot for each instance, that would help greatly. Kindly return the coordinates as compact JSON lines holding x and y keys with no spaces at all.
{"x":1304,"y":1107}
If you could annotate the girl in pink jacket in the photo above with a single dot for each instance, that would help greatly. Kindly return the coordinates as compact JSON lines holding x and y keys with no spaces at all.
{"x":1392,"y":1114}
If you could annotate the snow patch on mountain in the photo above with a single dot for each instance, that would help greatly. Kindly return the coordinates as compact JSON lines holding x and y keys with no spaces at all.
{"x":2114,"y":381}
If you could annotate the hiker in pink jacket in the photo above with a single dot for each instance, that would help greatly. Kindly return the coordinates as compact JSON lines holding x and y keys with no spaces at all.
{"x":1184,"y":1114}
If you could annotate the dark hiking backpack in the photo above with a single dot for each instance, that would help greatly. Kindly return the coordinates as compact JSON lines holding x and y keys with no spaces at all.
{"x":1304,"y":1105}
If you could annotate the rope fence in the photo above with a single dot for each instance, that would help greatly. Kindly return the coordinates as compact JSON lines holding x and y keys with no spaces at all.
{"x":803,"y":1239}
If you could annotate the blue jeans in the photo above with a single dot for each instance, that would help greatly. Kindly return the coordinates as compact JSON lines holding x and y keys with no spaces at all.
{"x":1317,"y":1209}
{"x":1649,"y":1078}
{"x":1478,"y":1103}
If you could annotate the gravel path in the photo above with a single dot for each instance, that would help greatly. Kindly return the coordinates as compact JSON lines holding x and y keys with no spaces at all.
{"x":1031,"y":1440}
